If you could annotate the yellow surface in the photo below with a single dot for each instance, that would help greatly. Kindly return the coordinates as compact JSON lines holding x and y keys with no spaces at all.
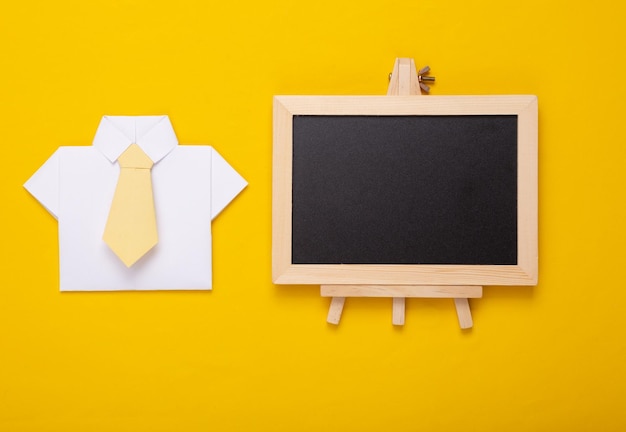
{"x":254,"y":356}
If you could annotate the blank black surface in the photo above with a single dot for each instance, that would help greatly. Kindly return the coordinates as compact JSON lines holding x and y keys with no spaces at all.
{"x":404,"y":189}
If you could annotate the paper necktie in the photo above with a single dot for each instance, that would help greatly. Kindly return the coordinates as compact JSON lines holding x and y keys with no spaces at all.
{"x":131,"y":227}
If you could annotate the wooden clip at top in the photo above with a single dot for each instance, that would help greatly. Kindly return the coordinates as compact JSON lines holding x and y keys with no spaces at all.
{"x":404,"y":80}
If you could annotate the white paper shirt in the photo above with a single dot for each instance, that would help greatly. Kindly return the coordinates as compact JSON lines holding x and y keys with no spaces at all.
{"x":191,"y":185}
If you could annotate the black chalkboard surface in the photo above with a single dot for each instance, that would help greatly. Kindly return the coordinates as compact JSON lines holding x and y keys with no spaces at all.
{"x":405,"y":190}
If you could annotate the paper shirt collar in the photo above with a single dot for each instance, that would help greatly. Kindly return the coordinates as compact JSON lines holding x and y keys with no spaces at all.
{"x":154,"y":134}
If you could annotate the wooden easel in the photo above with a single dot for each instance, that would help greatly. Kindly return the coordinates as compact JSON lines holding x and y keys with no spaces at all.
{"x":404,"y":81}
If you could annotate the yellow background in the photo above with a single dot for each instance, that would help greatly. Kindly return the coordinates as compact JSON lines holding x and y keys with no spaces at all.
{"x":254,"y":356}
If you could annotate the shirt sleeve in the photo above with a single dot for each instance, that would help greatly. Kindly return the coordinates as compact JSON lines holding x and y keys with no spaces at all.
{"x":226,"y":183}
{"x":44,"y":185}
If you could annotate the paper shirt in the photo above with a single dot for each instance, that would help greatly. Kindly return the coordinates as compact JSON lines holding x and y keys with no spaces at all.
{"x":191,"y":186}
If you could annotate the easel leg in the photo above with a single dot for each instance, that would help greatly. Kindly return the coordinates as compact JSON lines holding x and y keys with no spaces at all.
{"x":335,"y":310}
{"x":398,"y":311}
{"x":464,"y":313}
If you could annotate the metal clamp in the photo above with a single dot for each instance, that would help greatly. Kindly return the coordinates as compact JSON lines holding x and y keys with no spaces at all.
{"x":421,"y":77}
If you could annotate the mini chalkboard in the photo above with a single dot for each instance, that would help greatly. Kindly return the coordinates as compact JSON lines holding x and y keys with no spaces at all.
{"x":373,"y":193}
{"x":437,"y":190}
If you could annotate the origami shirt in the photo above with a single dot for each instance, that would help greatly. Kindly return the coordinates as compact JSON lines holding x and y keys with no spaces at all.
{"x":191,"y":185}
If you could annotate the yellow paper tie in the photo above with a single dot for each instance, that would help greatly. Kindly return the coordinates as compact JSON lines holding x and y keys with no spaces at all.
{"x":131,"y":227}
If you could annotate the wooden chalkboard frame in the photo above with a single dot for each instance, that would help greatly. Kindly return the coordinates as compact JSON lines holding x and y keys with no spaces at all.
{"x":524,"y":273}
